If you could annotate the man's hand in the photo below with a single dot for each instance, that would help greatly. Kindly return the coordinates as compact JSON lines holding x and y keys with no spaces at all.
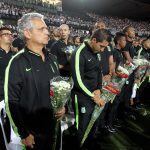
{"x":97,"y":92}
{"x":97,"y":99}
{"x":29,"y":141}
{"x":131,"y":102}
{"x":107,"y":78}
{"x":59,"y":114}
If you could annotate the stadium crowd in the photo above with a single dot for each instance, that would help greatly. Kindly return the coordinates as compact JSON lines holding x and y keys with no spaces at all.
{"x":81,"y":24}
{"x":106,"y":57}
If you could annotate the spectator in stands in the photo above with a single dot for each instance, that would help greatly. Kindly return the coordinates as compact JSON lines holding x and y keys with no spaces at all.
{"x":100,"y":25}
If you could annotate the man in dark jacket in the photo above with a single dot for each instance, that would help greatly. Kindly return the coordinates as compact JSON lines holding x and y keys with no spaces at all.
{"x":6,"y":54}
{"x":129,"y":50}
{"x":58,"y":49}
{"x":86,"y":73}
{"x":27,"y":85}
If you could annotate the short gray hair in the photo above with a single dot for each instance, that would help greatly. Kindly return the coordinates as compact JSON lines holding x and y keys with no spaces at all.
{"x":25,"y":22}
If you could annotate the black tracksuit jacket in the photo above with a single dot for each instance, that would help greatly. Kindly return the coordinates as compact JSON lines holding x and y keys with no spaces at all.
{"x":86,"y":70}
{"x":27,"y":85}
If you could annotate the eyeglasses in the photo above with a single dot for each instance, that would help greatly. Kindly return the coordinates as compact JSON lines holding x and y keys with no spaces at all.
{"x":6,"y":34}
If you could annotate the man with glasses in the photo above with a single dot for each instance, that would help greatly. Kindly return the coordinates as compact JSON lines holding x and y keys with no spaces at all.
{"x":5,"y":55}
{"x":27,"y":85}
{"x":6,"y":39}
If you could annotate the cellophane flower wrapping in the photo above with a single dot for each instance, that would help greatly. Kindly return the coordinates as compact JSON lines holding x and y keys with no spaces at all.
{"x":69,"y":50}
{"x":60,"y":90}
{"x":113,"y":88}
{"x":140,"y":61}
{"x":109,"y":92}
{"x":143,"y":68}
{"x":130,"y":67}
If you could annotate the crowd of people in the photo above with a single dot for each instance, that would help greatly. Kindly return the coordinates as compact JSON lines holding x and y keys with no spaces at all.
{"x":82,"y":24}
{"x":116,"y":24}
{"x":104,"y":63}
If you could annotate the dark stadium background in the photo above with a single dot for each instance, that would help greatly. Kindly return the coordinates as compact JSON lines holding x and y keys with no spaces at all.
{"x":135,"y":9}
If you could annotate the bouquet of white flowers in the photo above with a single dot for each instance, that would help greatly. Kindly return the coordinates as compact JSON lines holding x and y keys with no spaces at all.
{"x":60,"y":90}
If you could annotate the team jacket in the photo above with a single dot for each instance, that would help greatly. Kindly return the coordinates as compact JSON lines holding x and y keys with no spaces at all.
{"x":4,"y":59}
{"x":27,"y":84}
{"x":86,"y":70}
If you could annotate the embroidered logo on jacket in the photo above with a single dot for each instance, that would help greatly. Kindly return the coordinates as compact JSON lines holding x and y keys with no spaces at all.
{"x":28,"y":69}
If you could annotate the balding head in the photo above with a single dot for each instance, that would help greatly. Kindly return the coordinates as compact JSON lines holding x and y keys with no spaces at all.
{"x":100,"y":25}
{"x":129,"y":31}
{"x":64,"y":26}
{"x":64,"y":31}
{"x":146,"y":44}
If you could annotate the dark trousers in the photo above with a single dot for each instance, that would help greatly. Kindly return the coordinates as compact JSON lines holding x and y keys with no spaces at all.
{"x":144,"y":90}
{"x":125,"y":95}
{"x":113,"y":107}
{"x":44,"y":141}
{"x":85,"y":106}
{"x":103,"y":119}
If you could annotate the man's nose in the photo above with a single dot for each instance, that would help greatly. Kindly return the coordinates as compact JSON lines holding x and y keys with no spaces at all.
{"x":47,"y":32}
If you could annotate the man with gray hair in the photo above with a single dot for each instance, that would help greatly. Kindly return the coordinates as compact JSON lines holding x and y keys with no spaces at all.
{"x":27,"y":85}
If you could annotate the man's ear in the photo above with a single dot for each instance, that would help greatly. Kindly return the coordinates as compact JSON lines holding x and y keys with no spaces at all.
{"x":27,"y":34}
{"x":94,"y":40}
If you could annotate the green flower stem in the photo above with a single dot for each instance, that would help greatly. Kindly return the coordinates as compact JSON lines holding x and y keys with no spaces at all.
{"x":55,"y":134}
{"x":96,"y":113}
